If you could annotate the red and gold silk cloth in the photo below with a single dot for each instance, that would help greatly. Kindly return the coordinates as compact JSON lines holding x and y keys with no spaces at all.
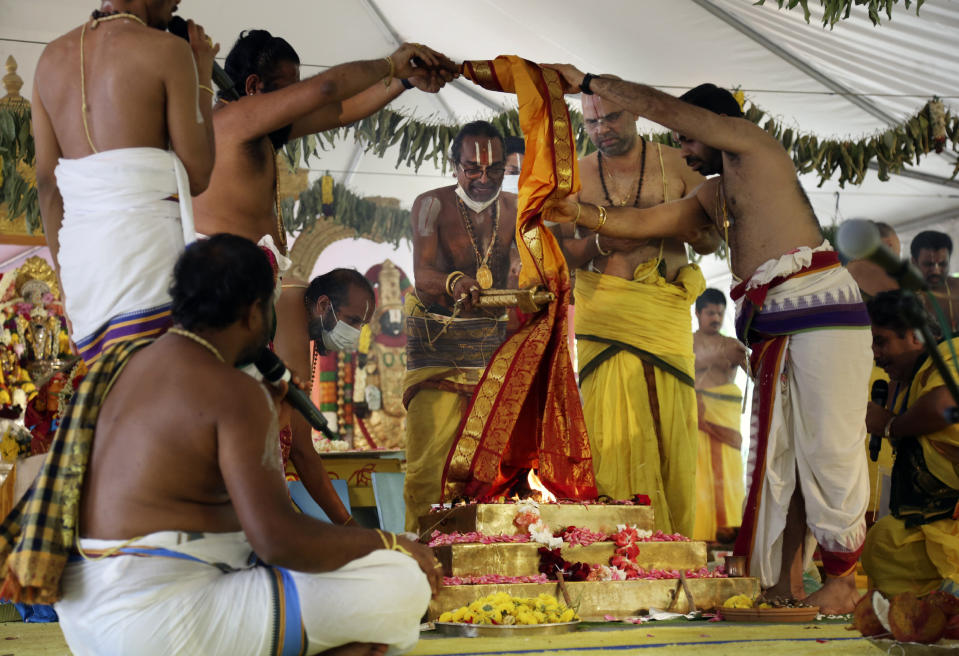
{"x":525,"y":412}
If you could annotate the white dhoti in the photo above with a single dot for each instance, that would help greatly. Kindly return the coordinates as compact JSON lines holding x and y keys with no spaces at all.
{"x":811,"y":355}
{"x":200,"y":594}
{"x":127,"y":215}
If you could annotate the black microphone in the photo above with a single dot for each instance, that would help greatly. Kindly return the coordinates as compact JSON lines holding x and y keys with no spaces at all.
{"x":879,"y":394}
{"x":859,"y":239}
{"x":178,"y":26}
{"x":274,"y":371}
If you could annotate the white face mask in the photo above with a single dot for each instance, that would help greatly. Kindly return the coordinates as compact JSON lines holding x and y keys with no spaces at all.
{"x":343,"y":337}
{"x":511,"y":183}
{"x":475,"y":205}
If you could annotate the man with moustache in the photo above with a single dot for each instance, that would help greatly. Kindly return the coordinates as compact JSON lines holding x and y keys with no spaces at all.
{"x":121,"y":144}
{"x":633,"y":327}
{"x":719,"y":470}
{"x":312,"y":319}
{"x":798,"y":310}
{"x":462,"y":236}
{"x":930,"y":251}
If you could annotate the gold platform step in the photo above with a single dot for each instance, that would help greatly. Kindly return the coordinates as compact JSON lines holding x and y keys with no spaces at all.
{"x":497,"y":518}
{"x":595,"y":600}
{"x":522,"y":559}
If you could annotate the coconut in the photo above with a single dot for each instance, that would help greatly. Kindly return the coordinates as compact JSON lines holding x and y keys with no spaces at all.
{"x":947,"y":603}
{"x":914,"y":620}
{"x":864,"y":618}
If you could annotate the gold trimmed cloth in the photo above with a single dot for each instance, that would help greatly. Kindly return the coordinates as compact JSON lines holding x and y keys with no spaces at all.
{"x":526,"y":411}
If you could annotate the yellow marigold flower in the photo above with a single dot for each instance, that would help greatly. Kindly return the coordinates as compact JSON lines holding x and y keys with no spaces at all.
{"x":446,"y":617}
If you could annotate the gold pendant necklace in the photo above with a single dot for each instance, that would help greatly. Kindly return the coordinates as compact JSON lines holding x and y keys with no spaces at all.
{"x":199,"y":340}
{"x":484,"y":276}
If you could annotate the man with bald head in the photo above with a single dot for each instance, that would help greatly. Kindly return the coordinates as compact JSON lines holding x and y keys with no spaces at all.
{"x":633,"y":326}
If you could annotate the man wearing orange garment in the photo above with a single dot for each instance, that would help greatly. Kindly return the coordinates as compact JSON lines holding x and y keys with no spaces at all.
{"x":636,"y":374}
{"x":719,"y":472}
{"x":798,"y":310}
{"x":462,"y":237}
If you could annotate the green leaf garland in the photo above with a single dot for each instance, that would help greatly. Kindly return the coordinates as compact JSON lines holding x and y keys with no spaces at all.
{"x":837,"y":10}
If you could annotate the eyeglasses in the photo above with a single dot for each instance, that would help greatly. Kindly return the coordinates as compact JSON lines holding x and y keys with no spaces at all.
{"x":609,"y":118}
{"x":475,"y":172}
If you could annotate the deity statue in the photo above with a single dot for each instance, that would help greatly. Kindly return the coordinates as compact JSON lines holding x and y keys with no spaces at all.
{"x":378,"y":380}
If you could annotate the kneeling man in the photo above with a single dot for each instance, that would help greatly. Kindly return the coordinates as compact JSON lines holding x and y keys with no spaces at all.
{"x":165,"y":485}
{"x":916,"y":548}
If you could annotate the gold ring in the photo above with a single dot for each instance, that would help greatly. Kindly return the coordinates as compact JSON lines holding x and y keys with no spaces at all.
{"x":209,"y":41}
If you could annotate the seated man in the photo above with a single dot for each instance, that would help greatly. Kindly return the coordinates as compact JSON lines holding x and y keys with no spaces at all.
{"x":916,"y":548}
{"x":177,"y":455}
{"x":312,"y":319}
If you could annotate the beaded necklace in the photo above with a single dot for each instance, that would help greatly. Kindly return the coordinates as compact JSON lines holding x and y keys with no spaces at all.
{"x":639,"y":186}
{"x":199,"y":340}
{"x":484,"y":276}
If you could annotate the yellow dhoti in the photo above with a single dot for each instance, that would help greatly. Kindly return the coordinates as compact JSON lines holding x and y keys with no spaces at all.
{"x":899,"y":559}
{"x":719,"y":468}
{"x":916,"y":548}
{"x":635,"y":348}
{"x":445,"y":360}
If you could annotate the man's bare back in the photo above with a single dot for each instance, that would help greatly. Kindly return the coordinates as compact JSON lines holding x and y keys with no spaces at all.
{"x":152,"y":469}
{"x":131,"y":102}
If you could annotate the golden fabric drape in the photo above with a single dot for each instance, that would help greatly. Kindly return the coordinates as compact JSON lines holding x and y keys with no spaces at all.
{"x":526,"y":412}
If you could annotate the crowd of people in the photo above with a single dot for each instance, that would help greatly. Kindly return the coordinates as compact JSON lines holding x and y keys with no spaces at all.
{"x":172,"y":451}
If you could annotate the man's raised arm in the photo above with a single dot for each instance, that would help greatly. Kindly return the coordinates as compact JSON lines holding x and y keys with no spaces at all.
{"x":727,"y":133}
{"x":317,"y":101}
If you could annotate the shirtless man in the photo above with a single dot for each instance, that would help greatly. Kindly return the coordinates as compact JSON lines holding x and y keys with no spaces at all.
{"x":931,"y":251}
{"x":638,"y":410}
{"x":462,"y":236}
{"x":115,"y":136}
{"x":773,"y":234}
{"x":276,"y":107}
{"x":325,"y":315}
{"x":719,"y":476}
{"x":181,"y":488}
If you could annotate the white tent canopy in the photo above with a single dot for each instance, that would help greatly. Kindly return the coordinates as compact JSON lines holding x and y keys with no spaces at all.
{"x":846,"y":82}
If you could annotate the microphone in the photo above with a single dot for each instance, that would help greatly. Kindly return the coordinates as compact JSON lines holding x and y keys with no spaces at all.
{"x":274,"y":371}
{"x":178,"y":26}
{"x":859,"y":239}
{"x":879,"y":394}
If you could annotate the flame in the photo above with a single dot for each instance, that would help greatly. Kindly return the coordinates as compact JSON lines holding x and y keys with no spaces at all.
{"x":536,"y":485}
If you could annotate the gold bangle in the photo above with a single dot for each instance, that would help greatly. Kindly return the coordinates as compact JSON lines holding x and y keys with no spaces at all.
{"x":579,"y":209}
{"x":388,"y":80}
{"x":600,"y":248}
{"x":206,"y":88}
{"x":451,"y":281}
{"x":602,"y":218}
{"x":349,"y":520}
{"x":399,"y":547}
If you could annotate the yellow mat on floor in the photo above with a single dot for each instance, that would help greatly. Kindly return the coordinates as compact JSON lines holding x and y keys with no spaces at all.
{"x":717,"y":637}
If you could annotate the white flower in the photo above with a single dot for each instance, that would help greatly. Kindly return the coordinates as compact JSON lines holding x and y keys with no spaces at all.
{"x":7,"y":337}
{"x":19,"y":398}
{"x":541,"y":533}
{"x":527,"y":505}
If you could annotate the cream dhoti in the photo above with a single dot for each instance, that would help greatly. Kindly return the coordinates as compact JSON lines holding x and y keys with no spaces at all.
{"x":804,"y":319}
{"x":127,"y":215}
{"x":200,"y":593}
